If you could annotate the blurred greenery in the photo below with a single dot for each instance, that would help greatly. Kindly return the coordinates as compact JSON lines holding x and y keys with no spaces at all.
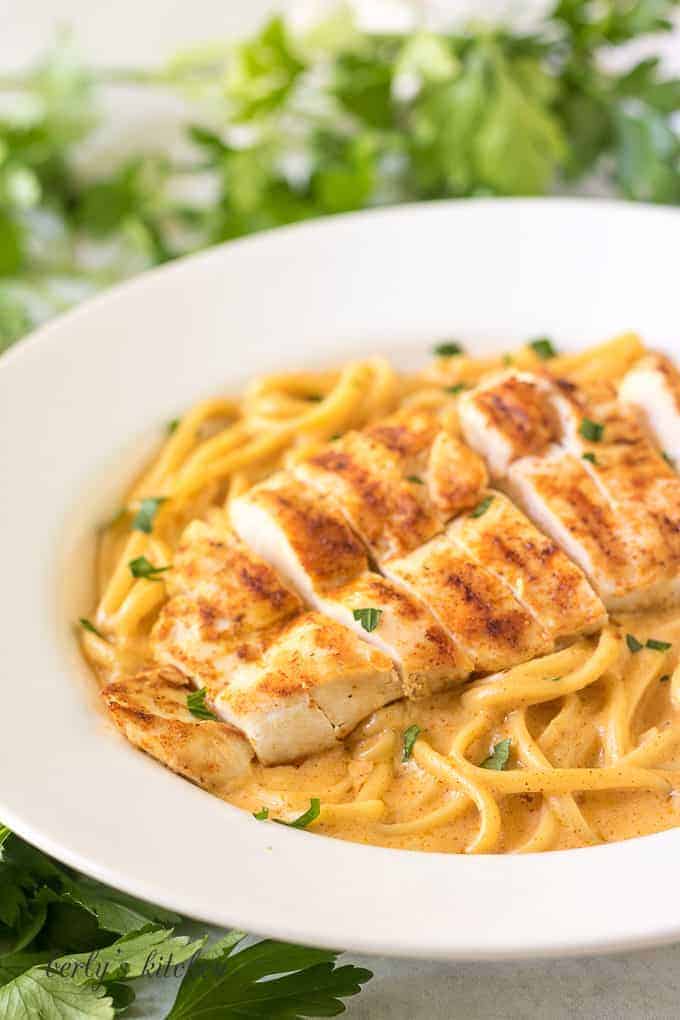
{"x":291,"y":126}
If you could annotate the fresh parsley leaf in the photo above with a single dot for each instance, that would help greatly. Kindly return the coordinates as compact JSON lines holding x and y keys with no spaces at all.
{"x":507,"y":360}
{"x":267,"y":980}
{"x":456,"y":388}
{"x":90,"y":627}
{"x":262,"y":815}
{"x":591,"y":430}
{"x":482,"y":507}
{"x":410,"y":736}
{"x":669,"y":460}
{"x":305,"y":819}
{"x":140,"y":954}
{"x":415,"y":479}
{"x":140,"y":567}
{"x":197,"y":706}
{"x":633,"y":644}
{"x":553,"y":679}
{"x":172,"y":426}
{"x":448,"y":350}
{"x":658,"y":646}
{"x":37,"y":993}
{"x":498,"y":758}
{"x":543,"y":348}
{"x":369,"y":618}
{"x":590,"y":457}
{"x":145,"y":516}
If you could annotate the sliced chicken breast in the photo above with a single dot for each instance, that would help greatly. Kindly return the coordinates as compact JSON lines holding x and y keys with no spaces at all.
{"x":535,"y":569}
{"x":313,"y":684}
{"x":300,"y":534}
{"x":150,"y":709}
{"x":628,"y":568}
{"x":404,"y":629}
{"x":507,"y":417}
{"x":653,"y":387}
{"x":477,"y":609}
{"x":240,"y":591}
{"x":429,"y":453}
{"x":363,"y":478}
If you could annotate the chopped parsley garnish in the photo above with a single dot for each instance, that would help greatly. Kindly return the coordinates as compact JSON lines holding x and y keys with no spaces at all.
{"x":369,"y":618}
{"x":482,"y":507}
{"x":336,"y":435}
{"x":310,"y":815}
{"x":148,"y":509}
{"x":589,"y":456}
{"x":543,"y":348}
{"x":456,"y":388}
{"x":591,"y":430}
{"x":140,"y":567}
{"x":553,"y":679}
{"x":197,"y":706}
{"x":410,"y":737}
{"x":507,"y":360}
{"x":173,"y":425}
{"x":665,"y":678}
{"x":89,"y":626}
{"x":658,"y":646}
{"x":415,"y":479}
{"x":262,"y":815}
{"x":633,"y":644}
{"x":448,"y":350}
{"x":498,"y":758}
{"x":669,"y":460}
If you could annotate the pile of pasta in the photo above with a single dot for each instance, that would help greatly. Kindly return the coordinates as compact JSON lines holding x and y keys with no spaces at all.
{"x":591,"y":731}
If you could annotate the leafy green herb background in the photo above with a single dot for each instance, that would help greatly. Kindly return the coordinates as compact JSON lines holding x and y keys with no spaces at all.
{"x":286,"y":127}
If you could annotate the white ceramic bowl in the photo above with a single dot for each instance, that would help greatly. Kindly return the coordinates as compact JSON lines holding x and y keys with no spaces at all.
{"x":83,"y":402}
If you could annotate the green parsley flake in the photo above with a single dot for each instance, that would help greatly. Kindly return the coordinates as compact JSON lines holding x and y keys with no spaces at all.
{"x":415,"y":479}
{"x":553,"y":679}
{"x":591,"y":430}
{"x":543,"y":348}
{"x":456,"y":388}
{"x":87,"y":625}
{"x":633,"y":644}
{"x":197,"y":706}
{"x":369,"y":618}
{"x":173,"y":425}
{"x":498,"y":758}
{"x":262,"y":815}
{"x":658,"y":646}
{"x":448,"y":350}
{"x":140,"y":567}
{"x":589,"y":456}
{"x":148,"y":509}
{"x":482,"y":507}
{"x":410,"y":737}
{"x":669,"y":460}
{"x":310,"y":815}
{"x":508,"y":360}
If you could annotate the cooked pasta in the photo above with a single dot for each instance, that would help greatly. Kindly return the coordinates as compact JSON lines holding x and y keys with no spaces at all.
{"x":590,"y":733}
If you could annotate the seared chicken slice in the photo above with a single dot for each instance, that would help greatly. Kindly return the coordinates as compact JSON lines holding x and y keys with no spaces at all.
{"x":477,"y":609}
{"x":310,"y":688}
{"x":507,"y":417}
{"x":426,"y":657}
{"x":653,"y":386}
{"x":243,"y":592}
{"x":627,"y":567}
{"x":536,"y":570}
{"x":150,"y":709}
{"x":363,"y":478}
{"x":429,"y":453}
{"x":307,"y":541}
